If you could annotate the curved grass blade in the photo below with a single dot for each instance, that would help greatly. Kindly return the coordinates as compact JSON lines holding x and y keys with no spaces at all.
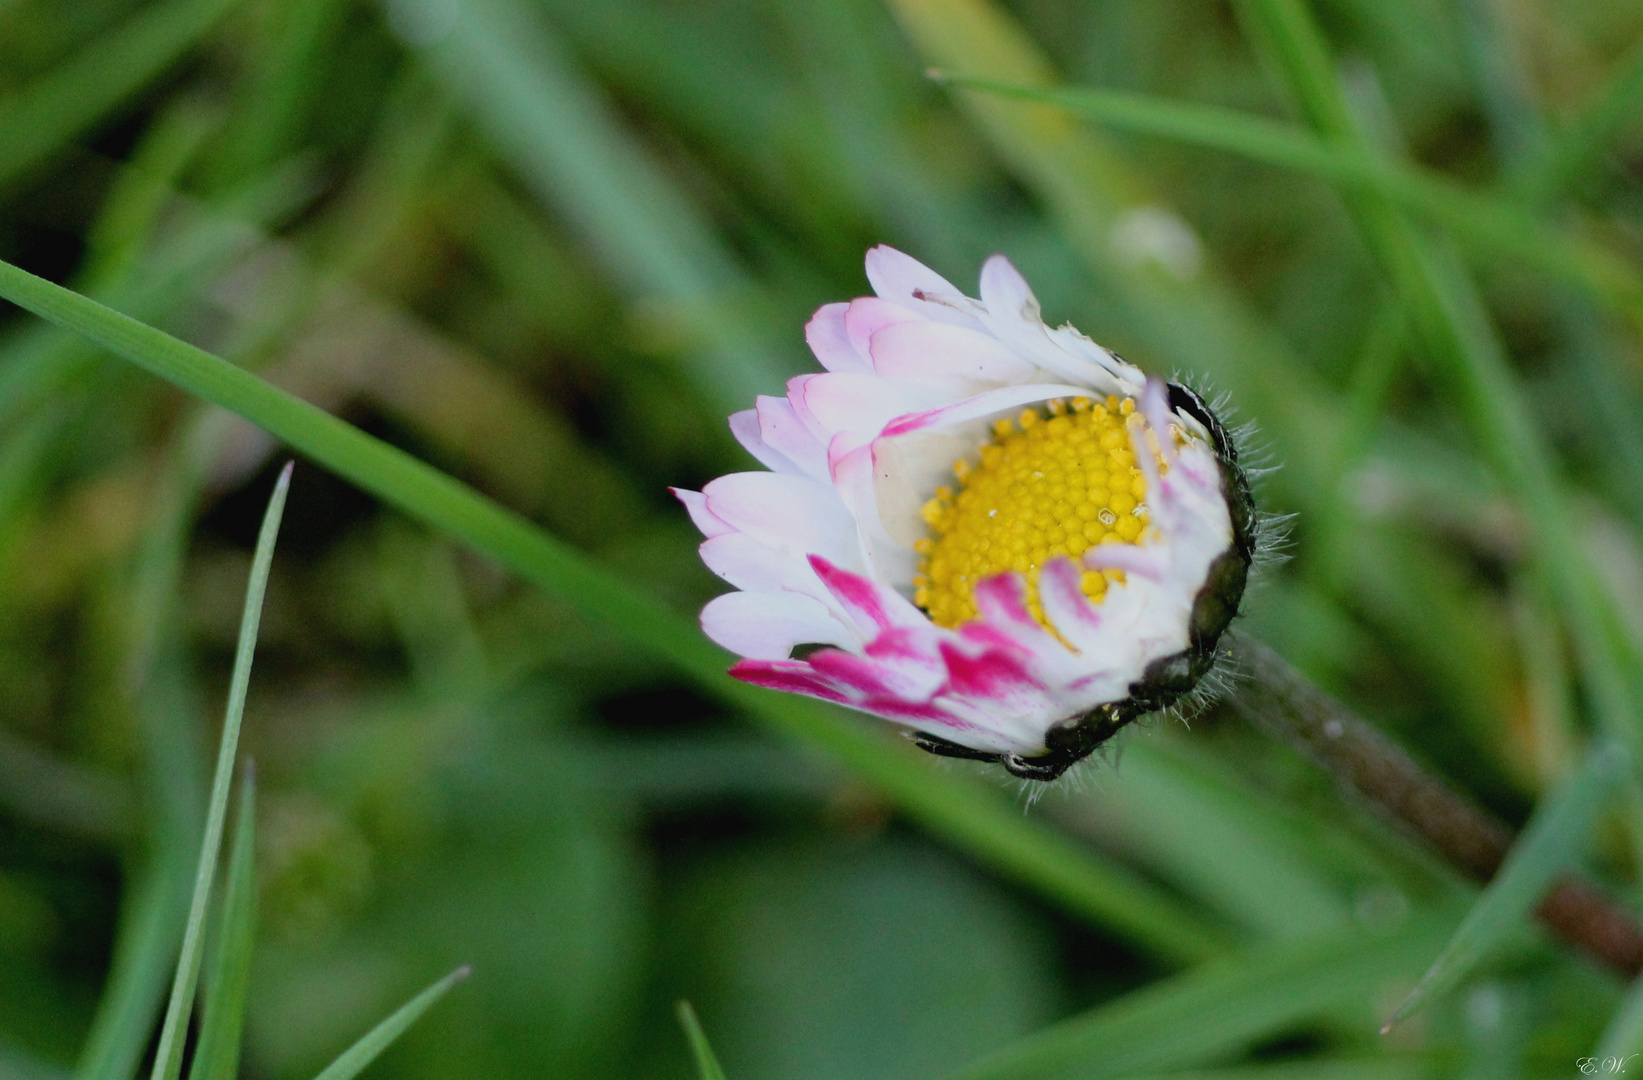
{"x":39,"y":119}
{"x":707,"y":1063}
{"x":1554,"y":838}
{"x":962,"y":811}
{"x":222,"y":1014}
{"x":1488,"y":222}
{"x":378,"y":1039}
{"x":173,"y":1032}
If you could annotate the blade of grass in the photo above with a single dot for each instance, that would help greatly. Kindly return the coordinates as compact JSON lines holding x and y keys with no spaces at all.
{"x":1216,"y":1009}
{"x":1450,"y":316}
{"x":39,"y":119}
{"x":173,"y":1032}
{"x":707,"y":1063}
{"x":222,"y":1014}
{"x":962,"y":811}
{"x":379,"y":1038}
{"x":1491,"y":223}
{"x":574,"y":152}
{"x":1553,"y":839}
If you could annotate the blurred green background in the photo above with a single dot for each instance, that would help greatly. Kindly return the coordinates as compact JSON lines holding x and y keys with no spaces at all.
{"x":548,"y":245}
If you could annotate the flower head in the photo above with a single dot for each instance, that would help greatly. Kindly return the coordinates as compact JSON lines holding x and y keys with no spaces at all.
{"x":997,"y":534}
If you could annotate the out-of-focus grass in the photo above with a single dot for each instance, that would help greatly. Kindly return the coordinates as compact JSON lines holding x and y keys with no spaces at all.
{"x":545,"y":247}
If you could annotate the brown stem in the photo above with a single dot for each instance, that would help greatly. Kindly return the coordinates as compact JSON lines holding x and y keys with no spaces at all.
{"x":1279,"y":700}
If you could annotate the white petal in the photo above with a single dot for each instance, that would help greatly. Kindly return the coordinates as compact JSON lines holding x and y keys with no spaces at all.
{"x":745,"y":426}
{"x":1014,"y":315}
{"x":766,"y":626}
{"x":703,"y":518}
{"x":945,"y":356}
{"x":904,"y":280}
{"x":862,"y":405}
{"x":781,"y":429}
{"x":867,"y":316}
{"x":793,"y":513}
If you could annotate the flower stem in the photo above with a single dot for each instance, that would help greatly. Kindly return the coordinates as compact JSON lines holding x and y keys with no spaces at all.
{"x":1282,"y":702}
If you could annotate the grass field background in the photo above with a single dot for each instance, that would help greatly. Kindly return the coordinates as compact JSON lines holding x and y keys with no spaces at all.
{"x":546,"y":247}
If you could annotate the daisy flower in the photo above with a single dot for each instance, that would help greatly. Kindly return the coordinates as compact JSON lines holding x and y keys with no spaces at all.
{"x":998,"y":535}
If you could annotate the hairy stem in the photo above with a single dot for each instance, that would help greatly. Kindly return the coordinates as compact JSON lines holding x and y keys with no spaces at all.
{"x":1283,"y":703}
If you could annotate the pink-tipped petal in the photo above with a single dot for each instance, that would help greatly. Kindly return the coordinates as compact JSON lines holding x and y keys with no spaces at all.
{"x":1075,"y":617}
{"x":703,"y":518}
{"x":1002,"y":602}
{"x":791,"y":676}
{"x":981,"y":405}
{"x":874,"y":607}
{"x":861,"y":405}
{"x":828,"y":339}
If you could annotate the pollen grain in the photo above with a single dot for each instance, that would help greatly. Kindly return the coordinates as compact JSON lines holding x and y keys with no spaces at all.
{"x":1047,"y":485}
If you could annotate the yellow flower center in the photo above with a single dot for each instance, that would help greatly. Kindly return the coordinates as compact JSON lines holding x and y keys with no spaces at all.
{"x":1052,"y":487}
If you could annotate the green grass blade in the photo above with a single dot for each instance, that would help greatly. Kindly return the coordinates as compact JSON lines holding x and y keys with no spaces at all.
{"x":222,"y":1013}
{"x":142,"y":190}
{"x":39,"y":119}
{"x":1449,"y":315}
{"x":379,"y":1038}
{"x":154,"y":909}
{"x":963,"y":812}
{"x":707,"y":1063}
{"x":1491,"y":223}
{"x":1553,"y":839}
{"x":572,"y":149}
{"x":1216,"y":1009}
{"x":173,"y":1032}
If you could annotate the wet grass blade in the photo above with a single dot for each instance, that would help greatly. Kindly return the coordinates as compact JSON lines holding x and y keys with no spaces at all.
{"x":39,"y":119}
{"x":707,"y":1063}
{"x":963,"y":812}
{"x":174,"y":1030}
{"x":1559,"y":830}
{"x":1491,"y":223}
{"x":379,"y":1038}
{"x":222,"y":1013}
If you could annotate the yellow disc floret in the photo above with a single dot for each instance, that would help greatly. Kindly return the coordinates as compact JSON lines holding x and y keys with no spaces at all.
{"x":1047,"y":485}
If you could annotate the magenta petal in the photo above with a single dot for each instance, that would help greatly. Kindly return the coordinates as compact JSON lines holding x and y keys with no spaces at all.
{"x":869,"y":603}
{"x":792,"y":676}
{"x":998,"y":675}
